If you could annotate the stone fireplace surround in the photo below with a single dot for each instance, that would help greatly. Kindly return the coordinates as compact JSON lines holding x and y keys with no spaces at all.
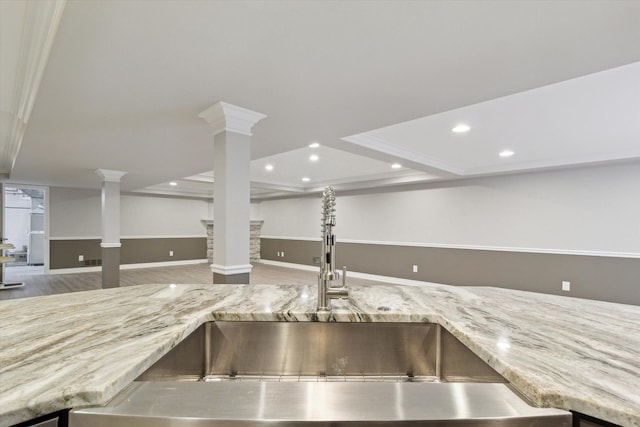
{"x":254,"y":239}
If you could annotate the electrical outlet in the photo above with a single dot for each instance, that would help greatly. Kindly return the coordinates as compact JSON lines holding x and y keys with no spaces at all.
{"x":415,"y":268}
{"x":80,"y":258}
{"x":282,"y":254}
{"x":566,"y":286}
{"x":170,"y":253}
{"x":278,"y":254}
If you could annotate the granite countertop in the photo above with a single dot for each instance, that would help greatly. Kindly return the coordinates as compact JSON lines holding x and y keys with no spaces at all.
{"x":81,"y":349}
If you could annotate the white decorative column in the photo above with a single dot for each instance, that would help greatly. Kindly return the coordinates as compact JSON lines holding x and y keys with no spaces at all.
{"x":231,"y":168}
{"x":110,"y":227}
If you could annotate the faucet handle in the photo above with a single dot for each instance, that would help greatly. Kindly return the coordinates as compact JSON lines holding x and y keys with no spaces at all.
{"x":344,"y":276}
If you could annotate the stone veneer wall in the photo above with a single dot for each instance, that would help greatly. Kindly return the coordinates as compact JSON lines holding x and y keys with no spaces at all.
{"x":255,"y":229}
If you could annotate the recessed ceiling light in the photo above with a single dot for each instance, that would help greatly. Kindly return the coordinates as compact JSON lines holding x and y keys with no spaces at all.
{"x":461,"y":128}
{"x":314,"y":145}
{"x":306,"y":179}
{"x":173,"y":183}
{"x":506,"y":153}
{"x":314,"y":157}
{"x":269,"y":167}
{"x":396,"y":165}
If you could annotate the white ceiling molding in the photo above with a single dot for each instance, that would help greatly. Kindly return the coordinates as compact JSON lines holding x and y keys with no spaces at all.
{"x":25,"y":52}
{"x":371,"y":182}
{"x":203,"y":177}
{"x":176,"y":193}
{"x":227,"y":117}
{"x":549,"y":164}
{"x":110,"y":175}
{"x":380,"y":145}
{"x":279,"y":187}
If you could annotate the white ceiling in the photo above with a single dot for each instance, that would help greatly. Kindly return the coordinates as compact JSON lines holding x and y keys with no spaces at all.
{"x":373,"y":82}
{"x":588,"y":119}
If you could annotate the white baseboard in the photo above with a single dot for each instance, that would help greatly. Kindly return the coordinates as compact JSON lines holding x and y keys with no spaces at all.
{"x":74,"y":270}
{"x":354,"y":274}
{"x":129,"y":266}
{"x":289,"y":265}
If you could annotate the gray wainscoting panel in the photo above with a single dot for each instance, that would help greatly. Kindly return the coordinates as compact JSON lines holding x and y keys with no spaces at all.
{"x":136,"y":251}
{"x":64,"y":253}
{"x":611,"y":279}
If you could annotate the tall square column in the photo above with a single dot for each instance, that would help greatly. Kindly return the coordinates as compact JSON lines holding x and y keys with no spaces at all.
{"x":232,"y":127}
{"x":110,"y":227}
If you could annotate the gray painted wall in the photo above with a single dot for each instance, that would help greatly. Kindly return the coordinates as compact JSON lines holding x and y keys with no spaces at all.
{"x":150,"y":226}
{"x":599,"y":278}
{"x":64,"y":253}
{"x":528,"y":232}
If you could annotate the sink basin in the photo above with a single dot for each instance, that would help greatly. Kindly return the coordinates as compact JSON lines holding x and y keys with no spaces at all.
{"x":312,"y":351}
{"x":320,"y":374}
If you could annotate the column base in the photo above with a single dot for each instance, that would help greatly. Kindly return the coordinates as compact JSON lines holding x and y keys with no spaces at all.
{"x":231,"y":279}
{"x":110,"y":268}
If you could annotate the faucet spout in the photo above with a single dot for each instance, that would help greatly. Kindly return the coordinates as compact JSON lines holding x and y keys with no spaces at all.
{"x":328,"y":274}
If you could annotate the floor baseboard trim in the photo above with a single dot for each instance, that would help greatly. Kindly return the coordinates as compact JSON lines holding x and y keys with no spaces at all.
{"x":128,"y":266}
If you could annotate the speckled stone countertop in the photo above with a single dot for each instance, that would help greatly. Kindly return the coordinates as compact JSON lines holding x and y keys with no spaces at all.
{"x":81,"y":349}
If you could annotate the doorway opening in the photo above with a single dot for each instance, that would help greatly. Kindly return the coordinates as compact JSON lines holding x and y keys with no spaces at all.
{"x":24,"y":228}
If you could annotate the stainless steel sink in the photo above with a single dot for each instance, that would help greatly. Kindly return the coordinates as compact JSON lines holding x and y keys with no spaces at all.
{"x":317,"y":351}
{"x":320,"y":374}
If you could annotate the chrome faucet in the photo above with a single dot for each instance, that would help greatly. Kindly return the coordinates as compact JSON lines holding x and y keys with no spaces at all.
{"x":326,"y":292}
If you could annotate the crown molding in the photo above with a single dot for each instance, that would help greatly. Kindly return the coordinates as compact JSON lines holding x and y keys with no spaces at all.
{"x":550,"y":164}
{"x":40,"y":24}
{"x":110,"y":175}
{"x":378,"y":144}
{"x":231,"y":118}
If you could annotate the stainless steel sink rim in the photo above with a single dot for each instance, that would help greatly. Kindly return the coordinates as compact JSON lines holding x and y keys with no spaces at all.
{"x":253,"y":403}
{"x":323,"y":378}
{"x":320,"y":374}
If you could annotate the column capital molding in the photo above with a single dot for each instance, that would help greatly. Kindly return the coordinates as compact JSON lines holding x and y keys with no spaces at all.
{"x":227,"y":117}
{"x":110,"y":175}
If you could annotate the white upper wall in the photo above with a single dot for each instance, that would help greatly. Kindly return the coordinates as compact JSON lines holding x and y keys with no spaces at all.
{"x":74,"y":213}
{"x":254,"y":211}
{"x":77,"y":213}
{"x":592,"y":209}
{"x":162,"y":216}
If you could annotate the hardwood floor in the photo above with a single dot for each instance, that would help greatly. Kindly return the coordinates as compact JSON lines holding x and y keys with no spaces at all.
{"x":49,"y":284}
